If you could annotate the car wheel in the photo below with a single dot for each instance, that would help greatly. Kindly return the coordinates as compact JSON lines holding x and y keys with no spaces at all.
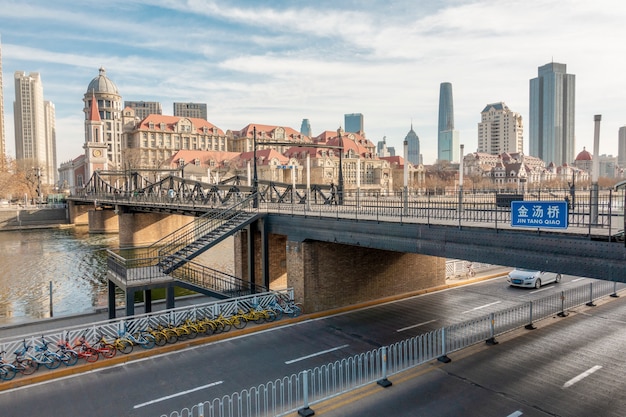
{"x":558,"y":278}
{"x":538,"y":283}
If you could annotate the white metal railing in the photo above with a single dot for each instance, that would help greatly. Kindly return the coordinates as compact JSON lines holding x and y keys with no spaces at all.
{"x":297,"y":392}
{"x":112,"y":328}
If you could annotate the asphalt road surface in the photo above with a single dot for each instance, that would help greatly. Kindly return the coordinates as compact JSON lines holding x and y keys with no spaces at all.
{"x":170,"y":382}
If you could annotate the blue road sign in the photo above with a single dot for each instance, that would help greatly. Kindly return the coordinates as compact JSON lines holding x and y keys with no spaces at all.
{"x":545,"y":214}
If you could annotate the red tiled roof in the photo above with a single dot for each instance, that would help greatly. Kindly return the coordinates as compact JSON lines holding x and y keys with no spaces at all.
{"x":94,"y":113}
{"x":171,"y":121}
{"x":204,"y":157}
{"x":248,"y":131}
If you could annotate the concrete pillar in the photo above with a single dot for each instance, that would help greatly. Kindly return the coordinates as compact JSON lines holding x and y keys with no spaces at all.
{"x":103,"y":221}
{"x":147,"y":301}
{"x":78,"y":213}
{"x":130,"y":302}
{"x":111,"y":300}
{"x":169,"y":297}
{"x":137,"y":229}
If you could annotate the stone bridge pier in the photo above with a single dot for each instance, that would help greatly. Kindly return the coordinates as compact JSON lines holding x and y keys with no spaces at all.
{"x":330,"y":275}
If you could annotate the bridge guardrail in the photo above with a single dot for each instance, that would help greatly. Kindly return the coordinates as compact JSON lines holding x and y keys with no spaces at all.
{"x":297,"y":392}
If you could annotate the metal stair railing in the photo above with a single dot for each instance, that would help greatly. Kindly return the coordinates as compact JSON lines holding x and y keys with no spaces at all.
{"x":193,"y":238}
{"x":216,"y":281}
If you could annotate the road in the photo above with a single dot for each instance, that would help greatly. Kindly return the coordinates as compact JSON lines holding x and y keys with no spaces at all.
{"x":168,"y":382}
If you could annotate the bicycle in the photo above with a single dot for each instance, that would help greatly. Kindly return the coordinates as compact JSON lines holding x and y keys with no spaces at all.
{"x":68,"y":355}
{"x":83,"y":349}
{"x":122,"y":345}
{"x":24,"y":362}
{"x":289,"y":307}
{"x":44,"y":356}
{"x":469,"y":273}
{"x":107,"y":350}
{"x":141,"y":338}
{"x":7,"y":370}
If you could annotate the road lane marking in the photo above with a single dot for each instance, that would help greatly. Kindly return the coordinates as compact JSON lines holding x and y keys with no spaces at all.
{"x":212,"y":384}
{"x":515,"y":414}
{"x":577,"y":279}
{"x":536,"y":291}
{"x":315,"y":354}
{"x":481,"y":307}
{"x":581,"y":376}
{"x":416,"y":325}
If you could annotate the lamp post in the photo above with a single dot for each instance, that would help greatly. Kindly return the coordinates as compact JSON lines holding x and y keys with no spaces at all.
{"x":340,"y":185}
{"x":255,"y":178}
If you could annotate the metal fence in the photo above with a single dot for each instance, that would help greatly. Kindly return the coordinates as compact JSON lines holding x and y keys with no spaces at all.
{"x":298,"y":392}
{"x":111,"y":329}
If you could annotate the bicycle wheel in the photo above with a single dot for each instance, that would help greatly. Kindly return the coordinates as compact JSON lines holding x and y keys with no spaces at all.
{"x":172,"y":337}
{"x":147,"y":341}
{"x":108,"y":350}
{"x":69,"y":357}
{"x":124,"y":346}
{"x":238,"y":322}
{"x":160,"y":339}
{"x":278,"y":312}
{"x":90,"y":354}
{"x":27,"y":366}
{"x":52,"y":361}
{"x":297,"y":310}
{"x":7,"y":372}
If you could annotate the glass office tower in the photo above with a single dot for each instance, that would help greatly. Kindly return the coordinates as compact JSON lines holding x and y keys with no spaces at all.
{"x":551,"y":119}
{"x":447,"y":138}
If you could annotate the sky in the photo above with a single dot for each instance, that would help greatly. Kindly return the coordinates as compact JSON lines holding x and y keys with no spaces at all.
{"x":278,"y":62}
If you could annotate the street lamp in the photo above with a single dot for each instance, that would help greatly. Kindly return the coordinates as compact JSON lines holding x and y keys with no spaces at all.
{"x":255,"y":178}
{"x":340,"y":185}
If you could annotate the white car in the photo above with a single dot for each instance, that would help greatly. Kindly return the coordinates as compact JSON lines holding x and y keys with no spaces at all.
{"x":531,"y":279}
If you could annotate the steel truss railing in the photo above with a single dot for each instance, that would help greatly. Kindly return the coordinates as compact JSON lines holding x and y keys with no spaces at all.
{"x":298,"y":392}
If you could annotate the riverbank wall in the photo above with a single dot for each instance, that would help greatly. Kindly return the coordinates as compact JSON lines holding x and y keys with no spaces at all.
{"x":33,"y":217}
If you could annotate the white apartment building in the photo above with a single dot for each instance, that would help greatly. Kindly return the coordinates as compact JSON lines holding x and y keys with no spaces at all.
{"x":34,"y":126}
{"x":500,"y":130}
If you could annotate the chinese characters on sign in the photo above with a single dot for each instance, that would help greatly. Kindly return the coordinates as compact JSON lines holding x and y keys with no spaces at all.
{"x":547,"y":214}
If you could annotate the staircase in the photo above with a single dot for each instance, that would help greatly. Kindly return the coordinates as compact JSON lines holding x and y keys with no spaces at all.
{"x":214,"y":283}
{"x":196,"y":237}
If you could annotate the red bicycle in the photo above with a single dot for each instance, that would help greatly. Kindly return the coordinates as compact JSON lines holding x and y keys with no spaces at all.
{"x":103,"y":348}
{"x":87,"y":353}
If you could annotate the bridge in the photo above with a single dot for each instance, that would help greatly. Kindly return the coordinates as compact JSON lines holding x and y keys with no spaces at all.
{"x":362,"y":245}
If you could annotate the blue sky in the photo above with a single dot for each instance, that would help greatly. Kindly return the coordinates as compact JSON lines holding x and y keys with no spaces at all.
{"x":277,"y":62}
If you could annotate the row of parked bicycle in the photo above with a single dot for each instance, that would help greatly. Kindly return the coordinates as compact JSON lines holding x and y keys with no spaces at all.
{"x":30,"y":357}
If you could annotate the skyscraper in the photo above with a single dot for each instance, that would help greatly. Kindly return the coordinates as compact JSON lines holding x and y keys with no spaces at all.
{"x":33,"y":140}
{"x":305,"y":128}
{"x":353,"y":123}
{"x":447,"y":138}
{"x":551,"y":119}
{"x":192,"y":110}
{"x":3,"y":149}
{"x":413,"y":142}
{"x":621,"y":147}
{"x":500,"y":130}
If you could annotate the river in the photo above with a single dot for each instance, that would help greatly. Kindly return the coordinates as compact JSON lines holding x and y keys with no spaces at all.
{"x":74,"y":261}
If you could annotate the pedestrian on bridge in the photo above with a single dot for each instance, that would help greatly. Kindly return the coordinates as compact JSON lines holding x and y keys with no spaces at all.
{"x":333,"y":194}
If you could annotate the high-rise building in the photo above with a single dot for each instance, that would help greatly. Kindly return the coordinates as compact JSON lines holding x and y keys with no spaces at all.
{"x":193,"y":110}
{"x":500,"y":130}
{"x":3,"y":149}
{"x":447,"y":138}
{"x":381,"y":148}
{"x":551,"y":119}
{"x":413,"y":142}
{"x":353,"y":123}
{"x":51,"y":142}
{"x":103,"y":97}
{"x":621,"y":147}
{"x":144,"y":108}
{"x":305,"y":128}
{"x":34,"y":142}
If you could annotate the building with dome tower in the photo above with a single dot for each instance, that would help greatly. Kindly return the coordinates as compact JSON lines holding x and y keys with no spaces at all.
{"x":103,"y":137}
